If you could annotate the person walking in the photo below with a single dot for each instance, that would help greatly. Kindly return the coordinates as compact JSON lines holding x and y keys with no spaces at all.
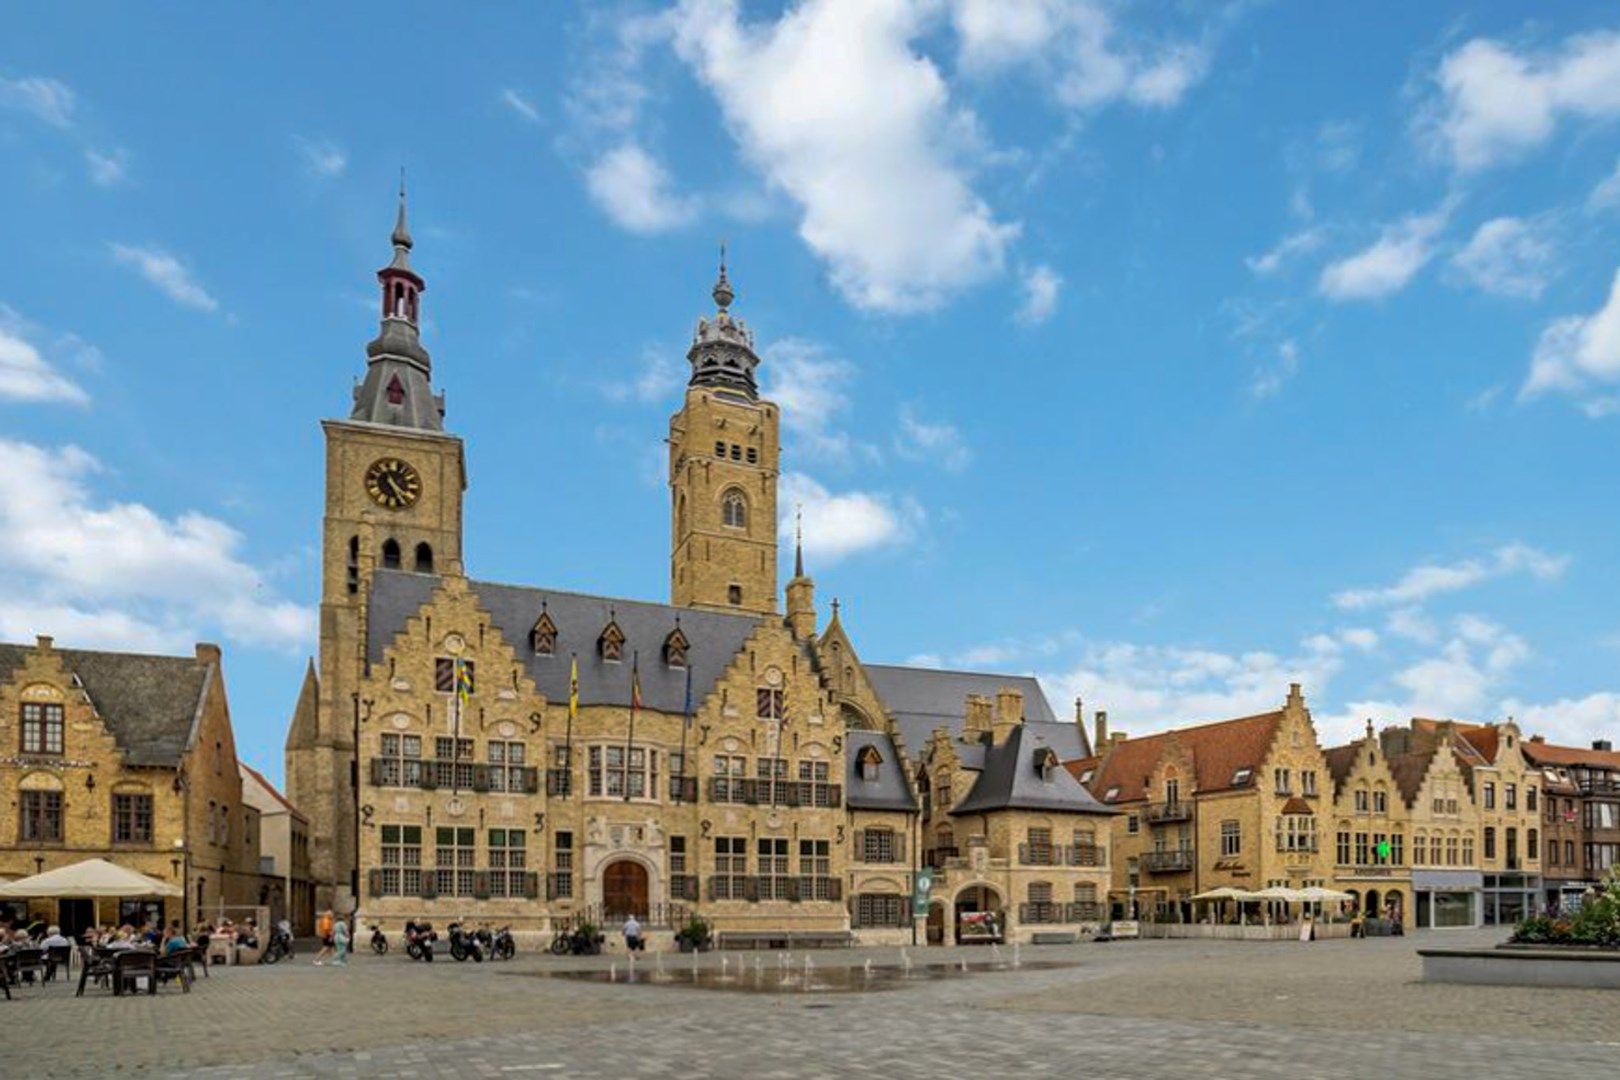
{"x":632,"y":935}
{"x":340,"y":942}
{"x":323,"y":930}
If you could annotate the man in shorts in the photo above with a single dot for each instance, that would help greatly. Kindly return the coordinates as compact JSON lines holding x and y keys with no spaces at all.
{"x":323,"y":930}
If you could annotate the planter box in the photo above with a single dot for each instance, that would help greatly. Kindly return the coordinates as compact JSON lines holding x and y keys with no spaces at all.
{"x":1527,"y":965}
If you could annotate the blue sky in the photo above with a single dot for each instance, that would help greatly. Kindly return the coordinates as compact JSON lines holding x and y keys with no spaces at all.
{"x":1170,"y":351}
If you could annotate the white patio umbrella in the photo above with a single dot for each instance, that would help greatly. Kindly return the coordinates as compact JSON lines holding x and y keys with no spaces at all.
{"x":1317,"y":892}
{"x":91,"y":879}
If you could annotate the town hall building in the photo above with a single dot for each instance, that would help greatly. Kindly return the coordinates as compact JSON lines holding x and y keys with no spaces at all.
{"x":536,"y":756}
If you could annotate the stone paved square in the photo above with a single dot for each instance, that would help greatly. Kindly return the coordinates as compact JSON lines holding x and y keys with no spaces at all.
{"x":1128,"y":1009}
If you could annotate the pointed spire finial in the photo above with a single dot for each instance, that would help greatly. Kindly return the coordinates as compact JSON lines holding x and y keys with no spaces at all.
{"x":723,"y":294}
{"x":402,"y":232}
{"x":798,"y":540}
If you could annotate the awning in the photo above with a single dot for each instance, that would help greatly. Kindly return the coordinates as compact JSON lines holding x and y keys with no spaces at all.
{"x":88,"y":880}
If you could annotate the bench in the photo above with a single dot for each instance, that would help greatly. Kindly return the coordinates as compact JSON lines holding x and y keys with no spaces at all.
{"x":1054,"y":937}
{"x":786,"y":939}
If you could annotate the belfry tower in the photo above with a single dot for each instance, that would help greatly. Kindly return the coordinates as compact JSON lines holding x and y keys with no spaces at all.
{"x":724,"y":457}
{"x":394,"y":484}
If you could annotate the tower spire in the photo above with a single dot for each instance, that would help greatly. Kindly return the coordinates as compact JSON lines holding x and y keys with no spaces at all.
{"x":397,"y":388}
{"x":798,"y":541}
{"x":722,"y":353}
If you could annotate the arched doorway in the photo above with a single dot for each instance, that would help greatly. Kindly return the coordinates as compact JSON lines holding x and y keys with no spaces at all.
{"x":624,"y":890}
{"x":1371,"y":911}
{"x":979,"y":917}
{"x":936,"y":923}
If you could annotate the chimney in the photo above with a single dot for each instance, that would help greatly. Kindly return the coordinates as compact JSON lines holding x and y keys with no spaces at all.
{"x":1296,"y":699}
{"x":977,"y":719}
{"x":1101,"y":728}
{"x":1538,"y":739}
{"x":1603,"y":744}
{"x":1009,"y":714}
{"x":43,"y":642}
{"x":207,"y":653}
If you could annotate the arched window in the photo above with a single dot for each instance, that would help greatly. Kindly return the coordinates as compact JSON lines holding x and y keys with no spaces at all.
{"x":390,"y":555}
{"x":680,"y":516}
{"x":870,"y":761}
{"x":734,"y":509}
{"x":424,"y":559}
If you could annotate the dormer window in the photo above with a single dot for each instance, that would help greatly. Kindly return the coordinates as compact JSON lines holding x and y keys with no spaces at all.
{"x":1046,"y":763}
{"x":1085,"y":777}
{"x":610,"y":646}
{"x":1111,"y":794}
{"x":543,"y":638}
{"x":1241,"y":777}
{"x":675,"y":646}
{"x":870,"y":761}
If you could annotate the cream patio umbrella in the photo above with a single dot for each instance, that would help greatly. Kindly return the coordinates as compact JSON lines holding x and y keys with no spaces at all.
{"x":91,"y":879}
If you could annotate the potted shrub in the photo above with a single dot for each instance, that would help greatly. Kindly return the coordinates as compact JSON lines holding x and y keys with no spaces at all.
{"x":694,"y":936}
{"x":1595,"y":923}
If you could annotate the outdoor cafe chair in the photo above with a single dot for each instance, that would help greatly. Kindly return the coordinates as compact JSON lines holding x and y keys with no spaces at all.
{"x":131,"y":964}
{"x":58,"y":956}
{"x":94,"y":964}
{"x":175,"y":965}
{"x":27,"y":960}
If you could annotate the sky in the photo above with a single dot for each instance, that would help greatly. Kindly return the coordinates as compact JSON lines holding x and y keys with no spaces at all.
{"x":1170,"y":351}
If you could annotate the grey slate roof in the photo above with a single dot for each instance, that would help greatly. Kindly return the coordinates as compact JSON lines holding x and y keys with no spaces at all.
{"x":1010,"y":780}
{"x":922,"y":699}
{"x":889,"y":791}
{"x":149,"y":703}
{"x":714,"y":638}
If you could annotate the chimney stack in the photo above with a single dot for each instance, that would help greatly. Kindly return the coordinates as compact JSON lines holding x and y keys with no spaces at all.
{"x":208,"y":653}
{"x":1603,"y":744}
{"x":1009,"y":714}
{"x":976,"y":722}
{"x":43,"y":642}
{"x":1101,"y":728}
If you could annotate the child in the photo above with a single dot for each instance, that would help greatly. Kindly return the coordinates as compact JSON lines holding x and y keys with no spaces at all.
{"x":340,"y":941}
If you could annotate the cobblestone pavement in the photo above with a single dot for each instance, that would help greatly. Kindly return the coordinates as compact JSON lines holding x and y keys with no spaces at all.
{"x":1129,"y":1009}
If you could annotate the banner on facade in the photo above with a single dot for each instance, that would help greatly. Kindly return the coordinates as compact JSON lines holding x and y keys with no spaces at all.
{"x":922,"y":881}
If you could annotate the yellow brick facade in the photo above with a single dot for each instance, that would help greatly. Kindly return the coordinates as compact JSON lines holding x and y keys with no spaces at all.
{"x":202,"y":836}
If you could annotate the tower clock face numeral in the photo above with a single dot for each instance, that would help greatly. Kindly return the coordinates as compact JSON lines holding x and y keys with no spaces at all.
{"x":393,"y":484}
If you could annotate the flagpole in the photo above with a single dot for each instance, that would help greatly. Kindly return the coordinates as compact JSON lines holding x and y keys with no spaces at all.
{"x":635,"y":700}
{"x":686,"y":722}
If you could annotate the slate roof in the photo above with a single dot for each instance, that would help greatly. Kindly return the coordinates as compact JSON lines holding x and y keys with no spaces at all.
{"x":1409,"y":770}
{"x":889,"y":791}
{"x":149,"y":703}
{"x":1218,"y":751}
{"x":922,"y":699}
{"x":1011,"y":779}
{"x":1340,"y":760}
{"x":714,"y":638}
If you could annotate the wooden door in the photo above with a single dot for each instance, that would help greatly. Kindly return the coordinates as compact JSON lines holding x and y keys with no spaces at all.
{"x":624,"y":889}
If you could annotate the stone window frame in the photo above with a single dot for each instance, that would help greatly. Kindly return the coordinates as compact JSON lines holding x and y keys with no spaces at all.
{"x":50,"y":809}
{"x":508,"y":858}
{"x":734,"y":509}
{"x":130,"y":817}
{"x":400,"y":865}
{"x":455,"y":863}
{"x":49,"y":720}
{"x":600,"y":772}
{"x":1231,"y":838}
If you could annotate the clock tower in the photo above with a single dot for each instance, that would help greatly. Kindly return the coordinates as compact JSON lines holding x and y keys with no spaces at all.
{"x":394,"y":484}
{"x":724,"y":457}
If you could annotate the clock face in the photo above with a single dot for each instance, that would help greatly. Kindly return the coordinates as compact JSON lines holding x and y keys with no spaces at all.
{"x":393,"y":484}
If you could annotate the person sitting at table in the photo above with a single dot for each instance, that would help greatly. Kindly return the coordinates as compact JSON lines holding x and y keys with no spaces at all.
{"x":174,"y":941}
{"x":54,"y":939}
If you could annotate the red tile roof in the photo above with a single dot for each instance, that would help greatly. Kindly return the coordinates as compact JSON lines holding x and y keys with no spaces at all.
{"x":1218,"y":751}
{"x":1541,"y":753}
{"x":271,"y":788}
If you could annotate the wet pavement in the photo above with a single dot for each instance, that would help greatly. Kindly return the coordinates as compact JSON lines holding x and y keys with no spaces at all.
{"x":784,"y":975}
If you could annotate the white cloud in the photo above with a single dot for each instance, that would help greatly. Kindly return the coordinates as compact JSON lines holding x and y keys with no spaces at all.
{"x":520,"y":105}
{"x":1389,"y":263}
{"x":840,"y":524}
{"x":106,"y":170}
{"x":1508,"y":256}
{"x":46,"y":99}
{"x":168,"y":273}
{"x":1150,"y":687}
{"x":660,"y":376}
{"x":1577,"y":351}
{"x":1571,"y":721}
{"x":1270,"y":379}
{"x":1041,"y":285}
{"x":1286,"y":250}
{"x":1338,"y":145}
{"x":837,"y":111}
{"x":1606,"y":194}
{"x":637,"y":192}
{"x":1495,"y":104}
{"x":809,"y":383}
{"x":1077,"y":49}
{"x":940,"y":443}
{"x":323,"y":159}
{"x":25,"y":373}
{"x":119,"y":574}
{"x":1432,"y":579}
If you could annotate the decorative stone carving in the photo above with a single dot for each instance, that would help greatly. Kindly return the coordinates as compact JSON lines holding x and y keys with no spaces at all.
{"x":455,"y":644}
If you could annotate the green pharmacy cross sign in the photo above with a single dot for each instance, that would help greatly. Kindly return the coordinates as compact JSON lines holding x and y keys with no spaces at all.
{"x":1383,"y":851}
